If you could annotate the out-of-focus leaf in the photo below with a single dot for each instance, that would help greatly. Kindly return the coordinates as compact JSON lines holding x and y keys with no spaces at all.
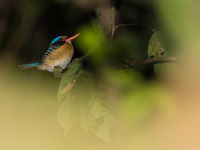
{"x":65,"y":115}
{"x":89,"y":38}
{"x":92,"y":38}
{"x":140,"y":105}
{"x":68,"y":80}
{"x":79,"y":104}
{"x":127,"y":77}
{"x":101,"y":123}
{"x":179,"y":23}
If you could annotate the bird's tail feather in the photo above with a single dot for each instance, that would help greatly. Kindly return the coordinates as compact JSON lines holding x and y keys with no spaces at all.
{"x":28,"y":66}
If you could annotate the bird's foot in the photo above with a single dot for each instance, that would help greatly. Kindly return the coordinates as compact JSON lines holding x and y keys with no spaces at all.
{"x":58,"y":72}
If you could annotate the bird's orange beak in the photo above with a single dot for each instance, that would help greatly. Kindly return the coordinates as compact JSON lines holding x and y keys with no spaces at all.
{"x":72,"y":38}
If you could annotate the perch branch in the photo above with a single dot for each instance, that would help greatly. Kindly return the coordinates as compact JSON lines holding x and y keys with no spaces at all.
{"x":154,"y":60}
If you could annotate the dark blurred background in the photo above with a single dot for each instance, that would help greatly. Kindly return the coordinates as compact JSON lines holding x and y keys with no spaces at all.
{"x":28,"y":26}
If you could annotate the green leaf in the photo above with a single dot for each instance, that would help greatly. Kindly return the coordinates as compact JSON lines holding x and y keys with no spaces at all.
{"x":81,"y":105}
{"x":68,"y":80}
{"x":93,"y":39}
{"x":155,"y":46}
{"x":64,"y":96}
{"x":101,"y":122}
{"x":156,"y":49}
{"x":89,"y":38}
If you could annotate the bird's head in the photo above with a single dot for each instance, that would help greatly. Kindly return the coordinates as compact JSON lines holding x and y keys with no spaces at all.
{"x":63,"y":39}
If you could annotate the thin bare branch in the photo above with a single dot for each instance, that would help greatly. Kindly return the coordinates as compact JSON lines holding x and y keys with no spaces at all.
{"x":154,"y":60}
{"x":116,"y":27}
{"x":133,"y":24}
{"x":113,"y":27}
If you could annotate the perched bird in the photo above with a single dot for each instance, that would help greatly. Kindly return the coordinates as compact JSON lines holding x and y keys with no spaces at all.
{"x":59,"y":54}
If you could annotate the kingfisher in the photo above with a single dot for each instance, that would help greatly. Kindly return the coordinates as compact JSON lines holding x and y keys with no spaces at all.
{"x":58,"y":54}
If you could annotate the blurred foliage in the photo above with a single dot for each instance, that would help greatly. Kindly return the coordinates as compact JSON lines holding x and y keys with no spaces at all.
{"x":83,"y":107}
{"x":93,"y":40}
{"x":139,"y":106}
{"x":101,"y":96}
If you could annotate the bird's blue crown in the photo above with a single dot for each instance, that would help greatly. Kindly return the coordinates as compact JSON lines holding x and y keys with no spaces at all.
{"x":56,"y":39}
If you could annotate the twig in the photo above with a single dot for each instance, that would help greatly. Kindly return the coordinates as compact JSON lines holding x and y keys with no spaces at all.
{"x":116,"y":27}
{"x":82,"y":57}
{"x":133,"y":24}
{"x":85,"y":56}
{"x":154,"y":60}
{"x":113,"y":26}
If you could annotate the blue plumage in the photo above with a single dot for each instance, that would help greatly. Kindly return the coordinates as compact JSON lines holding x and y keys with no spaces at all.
{"x":50,"y":49}
{"x":28,"y":66}
{"x":55,"y":44}
{"x":55,"y":39}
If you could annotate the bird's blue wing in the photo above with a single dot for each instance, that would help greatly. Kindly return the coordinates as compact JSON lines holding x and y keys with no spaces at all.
{"x":49,"y":50}
{"x":55,"y":39}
